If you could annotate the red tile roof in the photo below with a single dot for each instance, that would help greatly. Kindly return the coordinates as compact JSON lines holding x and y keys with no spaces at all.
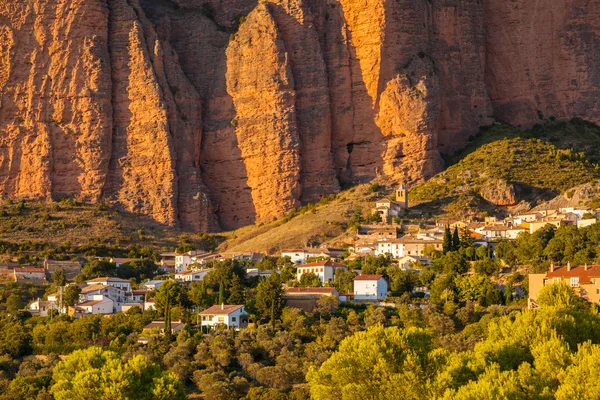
{"x":89,"y":303}
{"x":219,"y":309}
{"x":324,"y":263}
{"x":30,"y":269}
{"x":327,"y":290}
{"x":368,"y":277}
{"x":593,"y":271}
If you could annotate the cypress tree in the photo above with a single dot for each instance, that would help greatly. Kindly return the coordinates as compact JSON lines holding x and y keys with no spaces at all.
{"x":455,"y":240}
{"x":447,"y":244}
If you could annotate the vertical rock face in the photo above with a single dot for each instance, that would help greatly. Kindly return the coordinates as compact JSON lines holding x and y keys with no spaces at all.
{"x":261,"y":84}
{"x":543,"y":56}
{"x":209,"y":114}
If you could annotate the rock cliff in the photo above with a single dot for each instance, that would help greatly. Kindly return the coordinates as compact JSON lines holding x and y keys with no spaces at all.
{"x":208,"y":114}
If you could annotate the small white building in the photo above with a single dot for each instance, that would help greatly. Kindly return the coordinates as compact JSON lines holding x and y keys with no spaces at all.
{"x":299,"y":256}
{"x":42,"y":308}
{"x":370,"y":287}
{"x":192,"y":276}
{"x":407,"y":262}
{"x":183,"y":261}
{"x":149,"y":304}
{"x":98,"y":304}
{"x":136,"y":296}
{"x":407,"y":246}
{"x":152,"y":285}
{"x":233,"y":316}
{"x":325,"y":270}
{"x":111,"y":281}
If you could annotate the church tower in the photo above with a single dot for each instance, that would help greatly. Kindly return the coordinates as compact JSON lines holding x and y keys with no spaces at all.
{"x":402,"y":196}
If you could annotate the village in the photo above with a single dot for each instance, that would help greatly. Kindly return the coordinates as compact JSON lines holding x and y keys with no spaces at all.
{"x":408,"y":246}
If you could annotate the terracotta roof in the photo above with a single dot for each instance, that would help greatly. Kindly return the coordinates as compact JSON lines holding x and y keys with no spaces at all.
{"x":108,"y":279}
{"x":324,"y":263}
{"x":193,"y":272}
{"x":221,"y":309}
{"x":368,"y":277}
{"x":327,"y":290}
{"x":30,"y":269}
{"x":593,"y":271}
{"x":93,"y":288}
{"x":89,"y":303}
{"x":161,"y":324}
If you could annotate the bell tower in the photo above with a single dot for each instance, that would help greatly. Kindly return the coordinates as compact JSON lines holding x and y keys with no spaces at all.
{"x":402,"y":196}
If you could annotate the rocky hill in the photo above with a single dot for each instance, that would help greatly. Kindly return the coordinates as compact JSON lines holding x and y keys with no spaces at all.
{"x":209,"y":114}
{"x":504,"y":167}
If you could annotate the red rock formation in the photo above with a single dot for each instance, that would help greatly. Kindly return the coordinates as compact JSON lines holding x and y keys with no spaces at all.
{"x":205,"y":113}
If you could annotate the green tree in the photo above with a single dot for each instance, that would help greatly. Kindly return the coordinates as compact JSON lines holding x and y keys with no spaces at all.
{"x":58,"y":277}
{"x":372,"y":364}
{"x":95,"y":373}
{"x":14,"y":303}
{"x":269,"y":297}
{"x":97,"y":268}
{"x":559,"y":295}
{"x":447,"y":243}
{"x":487,"y":266}
{"x":455,"y":239}
{"x":167,"y":296}
{"x":236,"y":291}
{"x":310,"y":280}
{"x":71,"y":295}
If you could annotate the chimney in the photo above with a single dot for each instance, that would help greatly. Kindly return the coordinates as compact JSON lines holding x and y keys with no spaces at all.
{"x":552,"y":266}
{"x":586,"y":267}
{"x":569,"y":266}
{"x":222,"y":306}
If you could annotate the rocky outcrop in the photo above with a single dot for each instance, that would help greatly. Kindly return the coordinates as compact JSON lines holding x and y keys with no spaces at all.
{"x":209,"y":114}
{"x":499,"y":192}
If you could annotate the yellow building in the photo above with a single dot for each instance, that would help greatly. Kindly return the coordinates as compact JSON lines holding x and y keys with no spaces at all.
{"x":585,"y":281}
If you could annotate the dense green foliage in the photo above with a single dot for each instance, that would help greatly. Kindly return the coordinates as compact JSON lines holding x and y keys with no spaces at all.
{"x":542,"y":354}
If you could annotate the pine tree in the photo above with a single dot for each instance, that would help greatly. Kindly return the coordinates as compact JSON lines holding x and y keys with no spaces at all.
{"x":236,"y":291}
{"x":447,"y":244}
{"x":221,"y":292}
{"x":455,"y":240}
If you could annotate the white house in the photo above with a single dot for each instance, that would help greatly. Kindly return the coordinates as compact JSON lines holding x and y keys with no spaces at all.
{"x":370,"y":287}
{"x":152,"y":285}
{"x":325,"y":270}
{"x":299,"y":256}
{"x":192,"y":276}
{"x":42,"y":308}
{"x":116,"y":294}
{"x":407,"y":262}
{"x":407,"y":246}
{"x":233,"y":316}
{"x":111,"y":281}
{"x":183,"y":261}
{"x":98,"y":304}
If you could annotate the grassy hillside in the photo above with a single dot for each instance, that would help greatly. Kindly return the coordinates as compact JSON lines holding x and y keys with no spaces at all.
{"x":539,"y":164}
{"x":71,"y":224}
{"x":324,"y":222}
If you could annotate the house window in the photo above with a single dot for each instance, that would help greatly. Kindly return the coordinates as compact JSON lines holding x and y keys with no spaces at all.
{"x":233,"y":319}
{"x":221,"y":319}
{"x":574,"y":281}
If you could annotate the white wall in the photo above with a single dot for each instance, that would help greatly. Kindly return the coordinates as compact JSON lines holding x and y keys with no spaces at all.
{"x":370,"y":290}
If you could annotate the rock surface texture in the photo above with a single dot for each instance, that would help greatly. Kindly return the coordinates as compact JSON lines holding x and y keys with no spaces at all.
{"x":209,"y":114}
